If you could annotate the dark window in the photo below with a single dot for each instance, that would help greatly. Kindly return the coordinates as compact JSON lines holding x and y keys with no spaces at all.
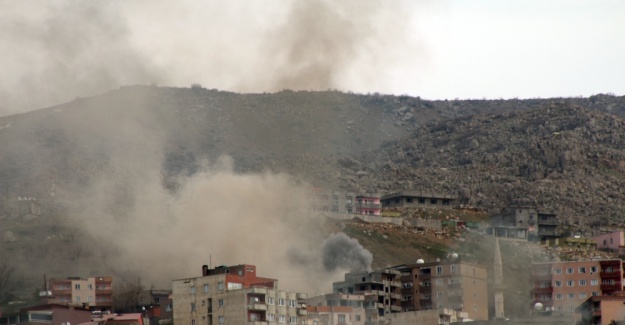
{"x":396,"y":200}
{"x":445,"y":202}
{"x":433,"y":201}
{"x":409,"y":200}
{"x":421,"y":200}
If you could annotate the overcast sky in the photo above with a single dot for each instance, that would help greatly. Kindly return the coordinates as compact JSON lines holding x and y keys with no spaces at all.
{"x":55,"y":51}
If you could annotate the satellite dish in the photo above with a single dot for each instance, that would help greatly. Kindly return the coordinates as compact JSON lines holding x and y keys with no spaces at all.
{"x":438,"y":259}
{"x":454,"y":255}
{"x":420,"y":261}
{"x":538,"y":306}
{"x":49,"y":293}
{"x":42,"y":293}
{"x":255,"y":299}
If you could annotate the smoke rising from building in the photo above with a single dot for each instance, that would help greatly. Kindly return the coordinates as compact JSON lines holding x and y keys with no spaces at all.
{"x":343,"y":253}
{"x":56,"y":51}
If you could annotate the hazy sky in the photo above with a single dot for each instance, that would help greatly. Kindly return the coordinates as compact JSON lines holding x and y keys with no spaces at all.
{"x":55,"y":51}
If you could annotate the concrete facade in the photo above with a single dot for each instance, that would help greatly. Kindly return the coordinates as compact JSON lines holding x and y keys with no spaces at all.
{"x":602,"y":310}
{"x":335,"y":315}
{"x":418,"y":200}
{"x":381,"y":288}
{"x":612,"y":242}
{"x":363,"y":308}
{"x":346,"y":202}
{"x":234,"y":295}
{"x":525,"y":223}
{"x":562,"y":286}
{"x":429,"y":317}
{"x":451,"y":284}
{"x":76,"y":291}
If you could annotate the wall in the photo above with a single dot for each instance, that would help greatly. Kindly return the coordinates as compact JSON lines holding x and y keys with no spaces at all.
{"x":610,"y":241}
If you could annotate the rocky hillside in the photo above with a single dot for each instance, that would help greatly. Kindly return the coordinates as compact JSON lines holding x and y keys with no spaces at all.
{"x":560,"y":156}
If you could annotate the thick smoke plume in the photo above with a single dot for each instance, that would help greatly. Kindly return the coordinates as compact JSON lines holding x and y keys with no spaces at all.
{"x":341,"y":252}
{"x":223,"y":216}
{"x":55,"y":51}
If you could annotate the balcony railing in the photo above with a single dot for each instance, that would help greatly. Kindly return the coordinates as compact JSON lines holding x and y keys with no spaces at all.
{"x":551,"y":222}
{"x":369,"y":205}
{"x":613,"y":274}
{"x":539,"y":290}
{"x":257,"y":306}
{"x":611,"y":287}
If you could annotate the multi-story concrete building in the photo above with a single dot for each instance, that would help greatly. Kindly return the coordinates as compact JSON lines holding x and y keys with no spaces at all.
{"x":562,"y":286}
{"x":234,"y":295}
{"x":525,"y":222}
{"x":418,"y":200}
{"x":93,"y":292}
{"x":452,"y":284}
{"x":353,"y":308}
{"x":602,"y":310}
{"x":346,"y":202}
{"x":381,"y":287}
{"x":612,"y":242}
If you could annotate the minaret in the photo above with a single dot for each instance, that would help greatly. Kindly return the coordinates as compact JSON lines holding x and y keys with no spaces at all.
{"x":498,"y":282}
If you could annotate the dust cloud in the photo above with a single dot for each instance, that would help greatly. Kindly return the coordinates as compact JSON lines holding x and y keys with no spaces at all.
{"x":220,"y":216}
{"x":55,"y":51}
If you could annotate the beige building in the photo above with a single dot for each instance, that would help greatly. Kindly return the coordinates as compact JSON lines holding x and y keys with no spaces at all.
{"x":602,"y":310}
{"x":76,"y":291}
{"x":334,"y":315}
{"x":451,"y":284}
{"x":234,"y":295}
{"x":429,"y":317}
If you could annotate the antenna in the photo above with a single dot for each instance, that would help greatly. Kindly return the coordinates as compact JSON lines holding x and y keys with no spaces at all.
{"x":210,"y":261}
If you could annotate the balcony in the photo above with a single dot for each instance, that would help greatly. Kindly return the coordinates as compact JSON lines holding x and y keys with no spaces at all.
{"x":67,"y":292}
{"x":369,"y":205}
{"x":542,"y":276}
{"x":396,"y":308}
{"x":395,"y":296}
{"x":257,"y":306}
{"x":301,"y":296}
{"x":103,"y":292}
{"x":545,"y":291}
{"x":549,"y":222}
{"x":547,"y":233}
{"x":256,"y":323}
{"x":302,"y":312}
{"x":396,"y":284}
{"x":613,"y":274}
{"x":611,"y":287}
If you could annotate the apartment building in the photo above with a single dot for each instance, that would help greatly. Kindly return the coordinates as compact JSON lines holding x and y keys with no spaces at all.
{"x":234,"y":295}
{"x":418,"y":200}
{"x":76,"y":291}
{"x":352,"y":308}
{"x":602,"y":310}
{"x":346,"y":202}
{"x":381,"y":288}
{"x":612,"y":242}
{"x":526,"y":223}
{"x":451,"y":284}
{"x":562,"y":286}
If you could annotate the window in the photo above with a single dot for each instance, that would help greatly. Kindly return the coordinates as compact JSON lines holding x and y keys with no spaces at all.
{"x":282,"y":319}
{"x":558,"y":283}
{"x":271,"y":317}
{"x":559,"y":296}
{"x":421,"y":200}
{"x":192,"y":290}
{"x":220,"y":286}
{"x":193,"y":322}
{"x":192,"y":306}
{"x":569,"y":270}
{"x":293,"y":320}
{"x":77,"y":298}
{"x":595,"y":293}
{"x":291,"y":303}
{"x":594,"y":282}
{"x":221,"y":303}
{"x":222,"y":320}
{"x":439,"y":295}
{"x":582,"y":270}
{"x":439,"y":282}
{"x":281,"y":302}
{"x":409,"y":200}
{"x":583,"y":295}
{"x":572,"y":295}
{"x":90,"y":298}
{"x":77,"y":286}
{"x":90,"y":286}
{"x":557,"y":271}
{"x":341,"y":318}
{"x":453,"y":268}
{"x":270,"y":300}
{"x":168,"y":308}
{"x":570,"y":283}
{"x":433,"y":201}
{"x":206,"y":288}
{"x":439,"y":270}
{"x":593,"y":269}
{"x":358,"y":318}
{"x":582,"y":282}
